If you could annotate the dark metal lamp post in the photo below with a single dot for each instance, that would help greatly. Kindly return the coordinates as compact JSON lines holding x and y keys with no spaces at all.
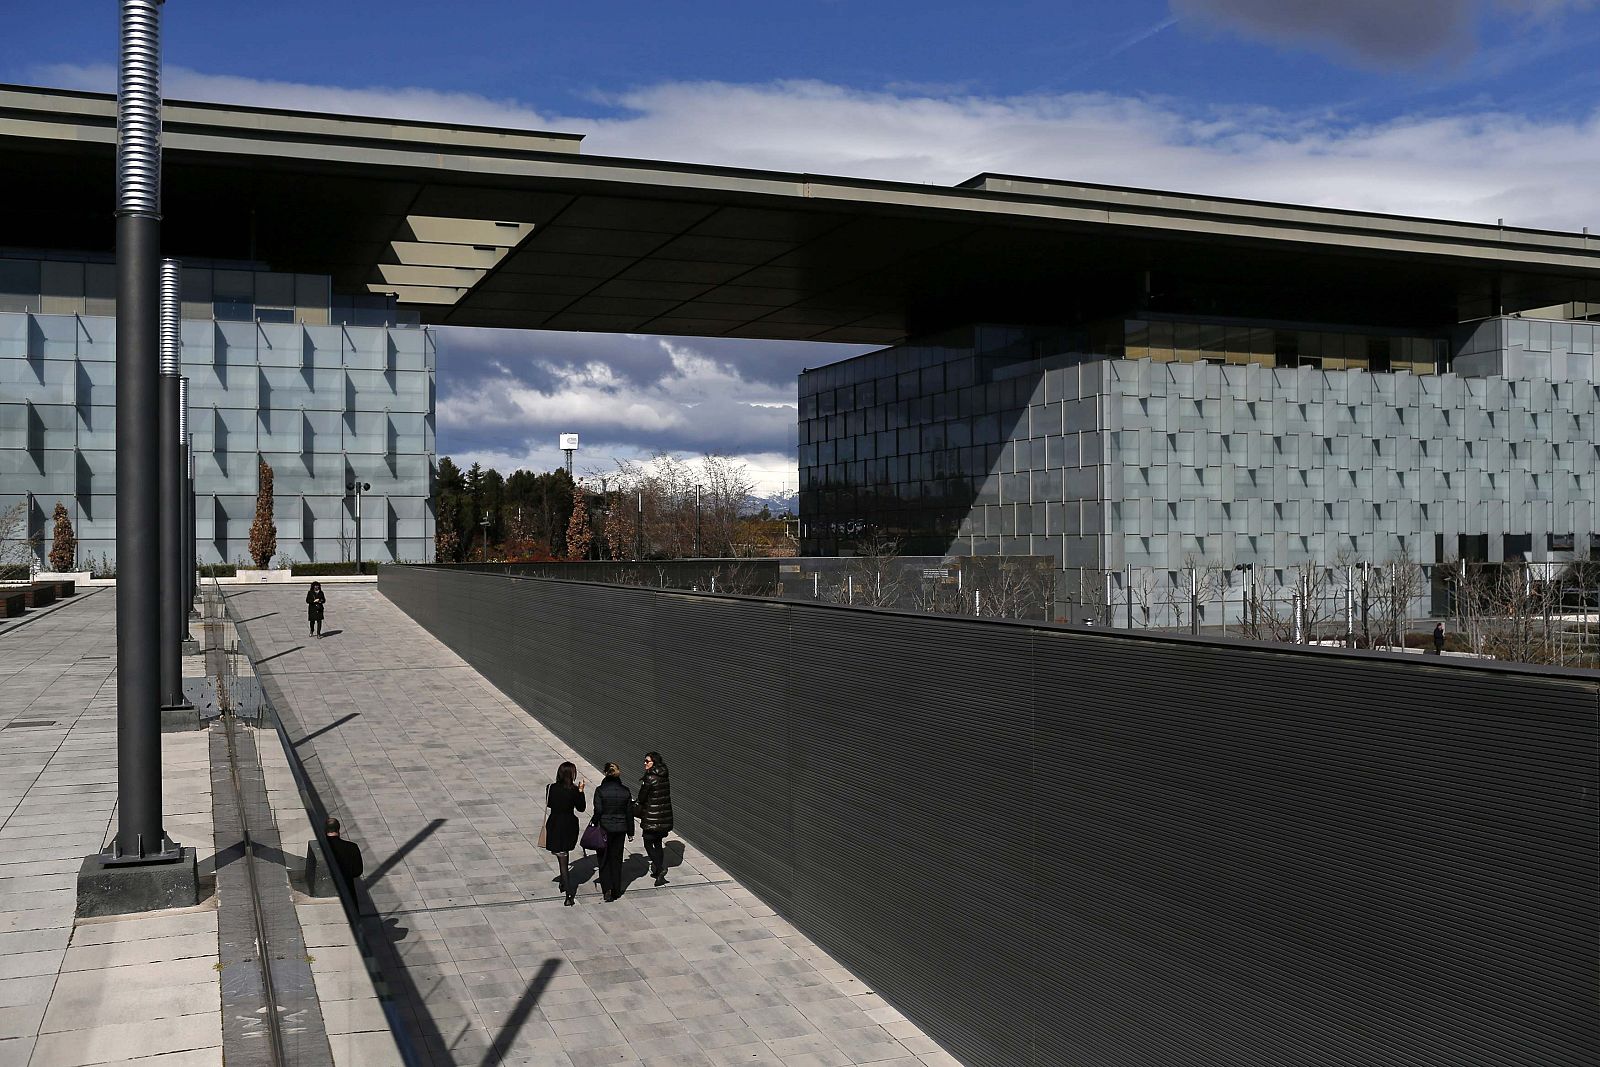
{"x":356,"y":488}
{"x":143,"y":869}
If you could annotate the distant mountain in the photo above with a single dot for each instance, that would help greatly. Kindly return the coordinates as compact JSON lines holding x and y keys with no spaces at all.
{"x":777,"y":504}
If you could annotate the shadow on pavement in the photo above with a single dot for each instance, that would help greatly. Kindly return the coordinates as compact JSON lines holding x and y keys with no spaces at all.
{"x":519,"y":1014}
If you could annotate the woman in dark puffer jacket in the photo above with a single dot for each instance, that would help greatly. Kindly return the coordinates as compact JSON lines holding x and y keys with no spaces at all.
{"x":654,"y":809}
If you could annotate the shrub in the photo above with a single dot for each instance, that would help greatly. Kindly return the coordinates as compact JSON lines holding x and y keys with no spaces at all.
{"x":322,"y":570}
{"x":218,"y":570}
{"x":64,"y":546}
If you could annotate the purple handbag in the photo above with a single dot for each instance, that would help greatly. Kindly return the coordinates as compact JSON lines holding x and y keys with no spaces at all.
{"x":594,"y":838}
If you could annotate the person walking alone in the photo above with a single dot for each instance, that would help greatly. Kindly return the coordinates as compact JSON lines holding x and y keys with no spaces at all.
{"x":315,"y":600}
{"x":613,"y":812}
{"x":1438,"y":639}
{"x":654,"y":808}
{"x":564,"y":798}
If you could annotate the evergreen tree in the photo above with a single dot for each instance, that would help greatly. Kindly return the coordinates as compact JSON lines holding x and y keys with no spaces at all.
{"x":64,"y":547}
{"x":263,"y":531}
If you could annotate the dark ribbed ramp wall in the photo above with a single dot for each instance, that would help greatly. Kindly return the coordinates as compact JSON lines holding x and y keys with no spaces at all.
{"x":1054,"y":846}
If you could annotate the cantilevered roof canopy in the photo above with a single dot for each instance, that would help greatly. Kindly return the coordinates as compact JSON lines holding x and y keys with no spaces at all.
{"x":486,"y":227}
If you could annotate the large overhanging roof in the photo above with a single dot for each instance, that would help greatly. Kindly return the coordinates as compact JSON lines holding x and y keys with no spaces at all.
{"x":487,"y":227}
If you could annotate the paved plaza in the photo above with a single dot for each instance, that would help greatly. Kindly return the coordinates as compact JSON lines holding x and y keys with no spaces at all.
{"x":440,"y":778}
{"x":121,"y":989}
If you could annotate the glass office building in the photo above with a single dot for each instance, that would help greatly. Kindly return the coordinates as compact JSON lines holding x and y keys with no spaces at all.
{"x":326,"y":389}
{"x":1148,"y":447}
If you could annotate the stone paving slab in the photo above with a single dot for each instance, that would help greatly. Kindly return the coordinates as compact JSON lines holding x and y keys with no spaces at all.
{"x":104,"y":990}
{"x":440,"y":777}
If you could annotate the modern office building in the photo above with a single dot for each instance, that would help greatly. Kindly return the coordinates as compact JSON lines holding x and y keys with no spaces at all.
{"x":1180,"y":380}
{"x":1137,"y":450}
{"x":326,"y":389}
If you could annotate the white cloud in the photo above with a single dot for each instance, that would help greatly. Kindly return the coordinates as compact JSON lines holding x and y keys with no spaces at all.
{"x":630,"y":395}
{"x":1472,"y":165}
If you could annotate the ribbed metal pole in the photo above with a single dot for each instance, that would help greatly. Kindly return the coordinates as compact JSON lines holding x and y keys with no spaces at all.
{"x":174,"y":612}
{"x":194,"y":542}
{"x":186,"y":500}
{"x":139,"y":822}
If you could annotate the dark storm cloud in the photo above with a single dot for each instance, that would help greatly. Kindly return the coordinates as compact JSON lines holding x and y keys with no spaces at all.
{"x":1402,"y":31}
{"x":1405,"y":32}
{"x":513,"y":392}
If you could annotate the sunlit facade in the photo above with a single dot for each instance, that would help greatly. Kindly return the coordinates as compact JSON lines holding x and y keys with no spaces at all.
{"x":326,"y":390}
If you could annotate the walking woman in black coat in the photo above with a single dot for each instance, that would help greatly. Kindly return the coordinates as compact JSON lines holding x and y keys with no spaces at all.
{"x":654,"y":808}
{"x":315,"y":600}
{"x":564,"y":798}
{"x":613,"y":811}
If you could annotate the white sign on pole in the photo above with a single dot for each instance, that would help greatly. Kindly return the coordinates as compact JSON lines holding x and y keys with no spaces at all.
{"x":569,"y":442}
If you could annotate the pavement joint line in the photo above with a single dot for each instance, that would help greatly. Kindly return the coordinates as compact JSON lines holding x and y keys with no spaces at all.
{"x":702,"y":883}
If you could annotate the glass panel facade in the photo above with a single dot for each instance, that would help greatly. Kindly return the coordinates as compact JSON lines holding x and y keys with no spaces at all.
{"x":323,"y":402}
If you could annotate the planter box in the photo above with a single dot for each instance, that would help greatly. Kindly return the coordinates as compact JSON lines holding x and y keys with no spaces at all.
{"x":75,"y":577}
{"x":13,"y":602}
{"x":252,"y":575}
{"x":41,"y":594}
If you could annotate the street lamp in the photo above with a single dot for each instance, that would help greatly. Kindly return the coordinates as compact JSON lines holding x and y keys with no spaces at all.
{"x":697,"y":490}
{"x":484,"y":551}
{"x":356,"y":488}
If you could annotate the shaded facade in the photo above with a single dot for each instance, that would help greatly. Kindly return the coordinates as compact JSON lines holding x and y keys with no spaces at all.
{"x":325,"y":390}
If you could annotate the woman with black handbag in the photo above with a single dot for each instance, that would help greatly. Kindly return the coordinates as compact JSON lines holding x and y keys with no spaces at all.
{"x":564,"y":798}
{"x":613,"y":813}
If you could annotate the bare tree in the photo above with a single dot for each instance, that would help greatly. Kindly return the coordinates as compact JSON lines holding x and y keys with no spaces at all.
{"x":1007,"y":587}
{"x":17,"y":546}
{"x":874,"y":576}
{"x":1395,"y":585}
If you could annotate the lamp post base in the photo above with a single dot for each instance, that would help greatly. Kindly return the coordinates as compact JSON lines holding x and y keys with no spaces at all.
{"x":108,"y":888}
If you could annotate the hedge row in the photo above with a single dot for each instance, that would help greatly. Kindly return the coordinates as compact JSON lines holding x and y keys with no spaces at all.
{"x":314,"y":570}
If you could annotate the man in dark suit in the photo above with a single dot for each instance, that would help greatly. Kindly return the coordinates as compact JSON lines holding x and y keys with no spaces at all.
{"x":347,"y":854}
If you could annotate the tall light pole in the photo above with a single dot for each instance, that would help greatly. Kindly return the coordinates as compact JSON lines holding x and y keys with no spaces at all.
{"x":569,"y":445}
{"x":638,"y":529}
{"x":143,"y":869}
{"x":697,"y":521}
{"x":356,"y":488}
{"x":484,"y":551}
{"x":174,"y":612}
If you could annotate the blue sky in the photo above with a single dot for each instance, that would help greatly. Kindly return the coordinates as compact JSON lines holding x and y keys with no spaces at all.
{"x":1472,"y":109}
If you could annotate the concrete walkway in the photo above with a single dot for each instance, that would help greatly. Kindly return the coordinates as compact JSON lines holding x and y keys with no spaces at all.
{"x":141,"y":988}
{"x":440,"y":778}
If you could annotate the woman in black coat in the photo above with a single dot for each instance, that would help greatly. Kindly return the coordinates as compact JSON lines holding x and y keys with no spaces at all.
{"x":654,"y":808}
{"x":613,"y":811}
{"x":315,"y":601}
{"x":564,"y":798}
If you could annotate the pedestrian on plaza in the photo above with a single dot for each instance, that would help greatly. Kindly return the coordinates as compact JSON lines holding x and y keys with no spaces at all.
{"x":613,"y":813}
{"x":654,"y":808}
{"x":315,"y":600}
{"x":347,"y":854}
{"x":564,"y":798}
{"x":1438,"y":639}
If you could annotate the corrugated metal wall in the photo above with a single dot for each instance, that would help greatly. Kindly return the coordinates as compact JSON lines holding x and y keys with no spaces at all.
{"x":1051,"y":846}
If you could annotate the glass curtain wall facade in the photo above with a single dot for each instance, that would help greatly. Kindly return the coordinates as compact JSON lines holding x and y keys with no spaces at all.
{"x":995,"y":440}
{"x":325,"y":390}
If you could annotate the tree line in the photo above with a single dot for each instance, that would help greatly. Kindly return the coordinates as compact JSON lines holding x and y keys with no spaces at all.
{"x":665,"y":508}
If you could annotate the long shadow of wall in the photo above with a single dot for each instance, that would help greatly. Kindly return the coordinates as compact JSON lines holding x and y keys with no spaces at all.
{"x":1055,"y":846}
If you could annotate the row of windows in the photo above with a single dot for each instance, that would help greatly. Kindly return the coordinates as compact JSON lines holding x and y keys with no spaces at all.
{"x":1169,"y":341}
